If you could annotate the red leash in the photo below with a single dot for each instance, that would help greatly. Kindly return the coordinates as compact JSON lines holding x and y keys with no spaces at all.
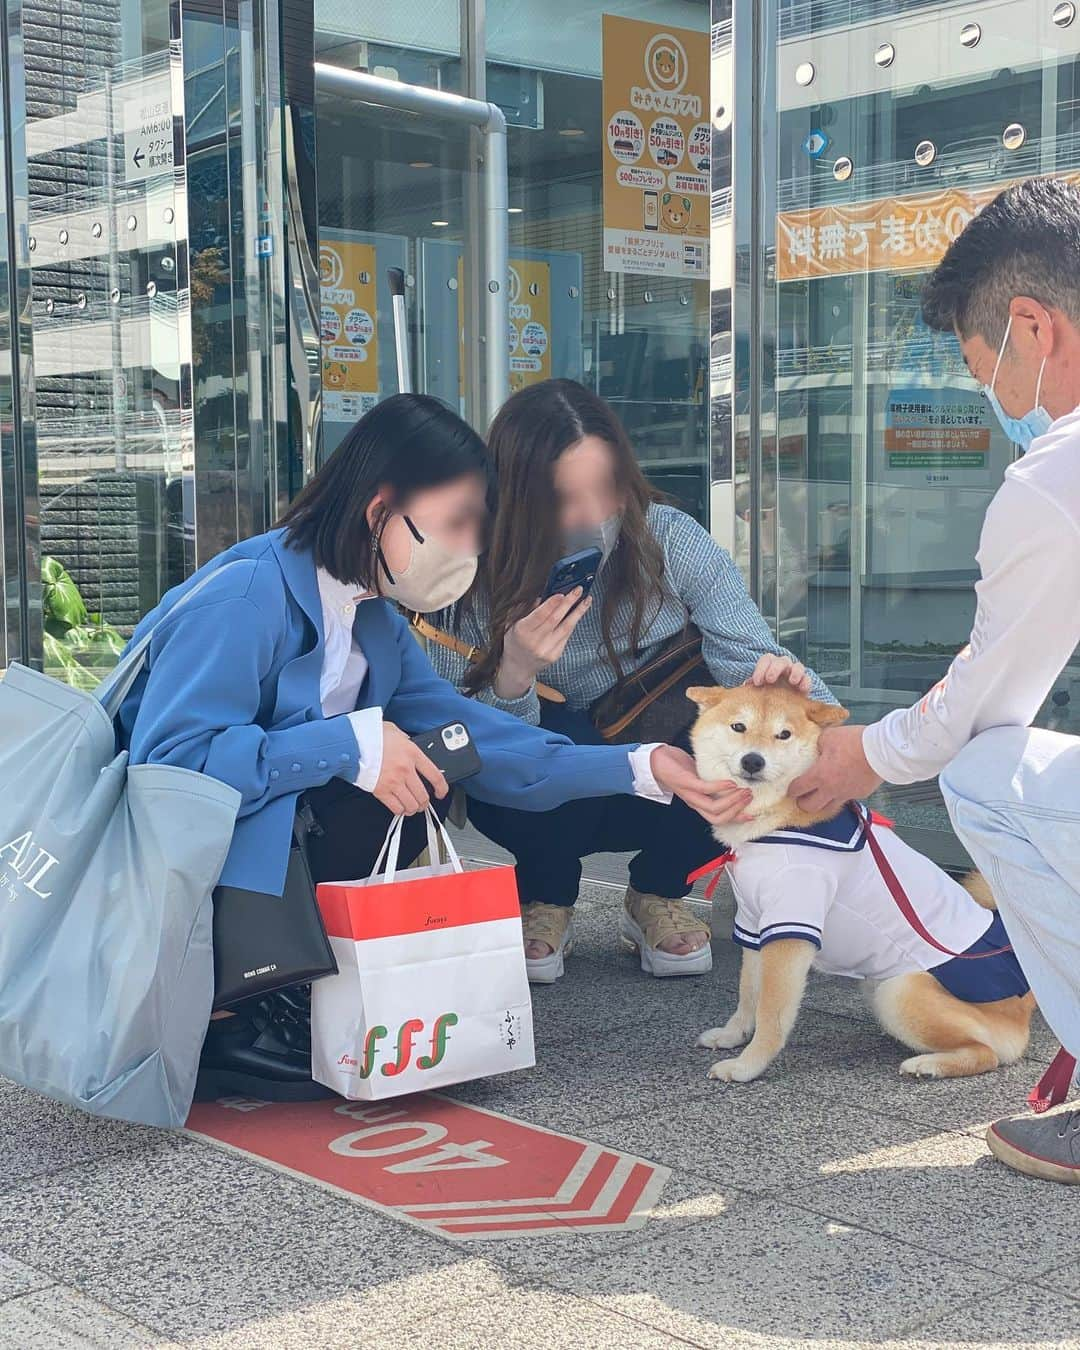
{"x":1054,"y":1086}
{"x":899,"y":895}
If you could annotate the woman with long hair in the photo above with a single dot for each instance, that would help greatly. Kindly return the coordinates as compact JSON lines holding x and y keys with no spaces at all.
{"x":289,"y":676}
{"x":567,"y":477}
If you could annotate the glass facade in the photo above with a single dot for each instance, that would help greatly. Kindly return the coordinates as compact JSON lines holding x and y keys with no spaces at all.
{"x":132,"y":439}
{"x":401,"y":192}
{"x":107,"y":244}
{"x":718,"y":217}
{"x":874,"y":456}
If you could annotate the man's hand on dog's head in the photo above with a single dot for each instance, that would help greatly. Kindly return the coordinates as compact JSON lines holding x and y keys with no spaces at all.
{"x":842,"y":773}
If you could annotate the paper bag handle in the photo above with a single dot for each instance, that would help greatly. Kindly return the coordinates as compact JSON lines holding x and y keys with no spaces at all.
{"x":437,"y":836}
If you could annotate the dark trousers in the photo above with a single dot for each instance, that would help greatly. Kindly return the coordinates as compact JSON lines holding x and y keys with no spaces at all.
{"x":669,"y":841}
{"x":350,"y":828}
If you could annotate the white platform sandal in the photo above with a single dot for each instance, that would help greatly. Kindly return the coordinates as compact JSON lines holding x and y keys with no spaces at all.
{"x":648,"y":920}
{"x":553,"y":924}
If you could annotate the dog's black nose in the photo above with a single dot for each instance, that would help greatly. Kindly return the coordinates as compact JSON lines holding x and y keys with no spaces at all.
{"x":752,"y":764}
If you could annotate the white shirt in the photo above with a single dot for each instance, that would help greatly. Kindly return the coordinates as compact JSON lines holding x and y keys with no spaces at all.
{"x":838,"y":900}
{"x":1027,"y":619}
{"x":345,"y":668}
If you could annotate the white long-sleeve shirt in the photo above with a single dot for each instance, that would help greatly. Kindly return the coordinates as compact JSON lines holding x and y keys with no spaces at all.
{"x":345,"y":668}
{"x":1027,"y":619}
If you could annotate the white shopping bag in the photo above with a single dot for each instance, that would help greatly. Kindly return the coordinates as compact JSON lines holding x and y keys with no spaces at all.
{"x":431,"y":986}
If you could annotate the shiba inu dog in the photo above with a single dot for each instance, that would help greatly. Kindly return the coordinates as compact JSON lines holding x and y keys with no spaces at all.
{"x":809,"y":893}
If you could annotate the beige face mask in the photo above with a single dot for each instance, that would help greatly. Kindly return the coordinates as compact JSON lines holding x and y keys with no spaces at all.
{"x":432,"y":579}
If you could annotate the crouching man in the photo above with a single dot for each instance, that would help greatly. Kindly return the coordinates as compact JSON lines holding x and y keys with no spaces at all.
{"x":1009,"y":288}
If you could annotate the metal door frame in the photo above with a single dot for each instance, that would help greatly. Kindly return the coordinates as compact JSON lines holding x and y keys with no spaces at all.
{"x":21,"y":510}
{"x":494,"y":231}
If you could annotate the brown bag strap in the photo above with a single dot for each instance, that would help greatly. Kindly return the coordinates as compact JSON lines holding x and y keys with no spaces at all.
{"x":428,"y":630}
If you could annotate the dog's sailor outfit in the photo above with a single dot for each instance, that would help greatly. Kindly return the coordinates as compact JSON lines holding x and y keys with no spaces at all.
{"x":822,"y":885}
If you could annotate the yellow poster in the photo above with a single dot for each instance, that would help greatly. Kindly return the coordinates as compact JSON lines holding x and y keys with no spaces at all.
{"x":530,"y":323}
{"x":350,"y":362}
{"x":658,"y":149}
{"x":890,"y":234}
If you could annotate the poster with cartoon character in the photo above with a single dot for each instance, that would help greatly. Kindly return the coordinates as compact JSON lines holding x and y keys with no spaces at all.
{"x":658,"y":149}
{"x":350,"y":367}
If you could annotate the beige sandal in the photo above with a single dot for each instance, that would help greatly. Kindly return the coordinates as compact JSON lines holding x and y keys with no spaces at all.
{"x":649,"y":920}
{"x":553,"y":924}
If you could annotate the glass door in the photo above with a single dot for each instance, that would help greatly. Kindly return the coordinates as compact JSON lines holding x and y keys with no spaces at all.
{"x":106,"y":435}
{"x":879,"y":456}
{"x":407,"y":173}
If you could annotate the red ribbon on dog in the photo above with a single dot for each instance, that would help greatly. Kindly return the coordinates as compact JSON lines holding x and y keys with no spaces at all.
{"x":716,"y":867}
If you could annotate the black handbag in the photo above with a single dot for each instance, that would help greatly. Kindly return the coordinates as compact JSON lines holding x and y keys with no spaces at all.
{"x":650,"y":703}
{"x":263,"y":943}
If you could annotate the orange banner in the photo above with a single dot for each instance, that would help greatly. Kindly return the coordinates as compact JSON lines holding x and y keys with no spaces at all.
{"x":891,"y":234}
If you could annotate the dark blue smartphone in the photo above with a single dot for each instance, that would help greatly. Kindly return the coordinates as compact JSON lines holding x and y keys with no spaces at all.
{"x":576,"y":569}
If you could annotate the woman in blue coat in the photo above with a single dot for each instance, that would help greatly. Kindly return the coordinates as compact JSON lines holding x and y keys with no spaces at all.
{"x":290,"y":677}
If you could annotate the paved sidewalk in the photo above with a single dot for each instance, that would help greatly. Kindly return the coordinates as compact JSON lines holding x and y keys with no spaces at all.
{"x":830,"y":1204}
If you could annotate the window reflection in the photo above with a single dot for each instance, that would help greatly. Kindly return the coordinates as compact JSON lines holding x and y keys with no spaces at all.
{"x":107,"y":315}
{"x":884,"y":456}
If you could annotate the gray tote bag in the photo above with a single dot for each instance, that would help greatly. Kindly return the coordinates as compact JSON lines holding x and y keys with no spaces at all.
{"x":106,"y":874}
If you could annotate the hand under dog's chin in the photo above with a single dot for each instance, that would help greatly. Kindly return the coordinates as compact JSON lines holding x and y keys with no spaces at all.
{"x":770,"y":807}
{"x":767,"y":796}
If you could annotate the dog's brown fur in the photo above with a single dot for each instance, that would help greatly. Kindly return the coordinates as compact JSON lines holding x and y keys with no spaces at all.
{"x":953,"y":1038}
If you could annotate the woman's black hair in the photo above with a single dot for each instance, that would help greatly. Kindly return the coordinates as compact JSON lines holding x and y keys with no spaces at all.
{"x":405,"y":444}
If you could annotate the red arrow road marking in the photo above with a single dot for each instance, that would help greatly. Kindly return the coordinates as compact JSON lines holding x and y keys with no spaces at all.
{"x":428,"y":1160}
{"x":636,"y":1193}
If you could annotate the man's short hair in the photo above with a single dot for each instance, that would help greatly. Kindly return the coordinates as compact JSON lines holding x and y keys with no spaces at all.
{"x":1025,"y":242}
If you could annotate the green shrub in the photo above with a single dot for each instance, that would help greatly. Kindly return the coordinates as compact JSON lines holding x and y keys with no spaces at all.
{"x":80,"y":647}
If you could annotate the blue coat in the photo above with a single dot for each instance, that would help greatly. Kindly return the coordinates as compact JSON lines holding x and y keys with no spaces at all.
{"x":232,"y":690}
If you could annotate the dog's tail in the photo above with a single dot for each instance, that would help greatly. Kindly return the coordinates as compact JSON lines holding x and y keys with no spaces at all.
{"x":978,"y":888}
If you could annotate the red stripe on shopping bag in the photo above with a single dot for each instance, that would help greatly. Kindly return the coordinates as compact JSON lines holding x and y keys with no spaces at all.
{"x":424,"y":906}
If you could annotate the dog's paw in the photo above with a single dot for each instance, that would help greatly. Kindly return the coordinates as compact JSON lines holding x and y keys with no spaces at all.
{"x":726,"y":1037}
{"x":737,"y":1070}
{"x":921,"y":1066}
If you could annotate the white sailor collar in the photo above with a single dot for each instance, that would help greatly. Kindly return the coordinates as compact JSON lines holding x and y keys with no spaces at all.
{"x":843,"y":834}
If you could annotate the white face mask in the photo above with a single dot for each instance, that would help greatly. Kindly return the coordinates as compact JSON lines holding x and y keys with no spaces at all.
{"x":432,"y":579}
{"x":604,"y":536}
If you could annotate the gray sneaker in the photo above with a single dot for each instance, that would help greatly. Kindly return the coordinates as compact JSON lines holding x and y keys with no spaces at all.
{"x":1045,"y":1146}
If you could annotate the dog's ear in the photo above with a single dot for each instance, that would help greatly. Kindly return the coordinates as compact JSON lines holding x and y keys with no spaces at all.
{"x":826,"y":714}
{"x":705,"y":697}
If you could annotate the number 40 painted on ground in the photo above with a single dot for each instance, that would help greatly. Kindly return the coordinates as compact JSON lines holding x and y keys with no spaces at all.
{"x":382,"y":1120}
